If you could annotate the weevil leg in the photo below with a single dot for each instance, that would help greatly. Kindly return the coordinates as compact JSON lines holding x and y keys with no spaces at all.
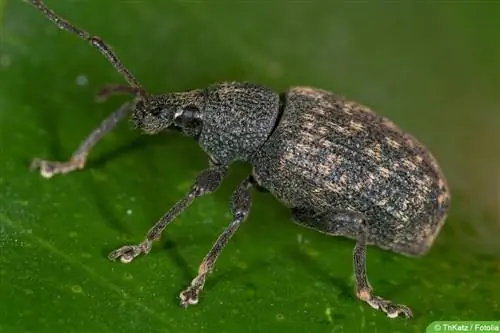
{"x":350,"y":223}
{"x":240,"y":208}
{"x":206,"y":182}
{"x":364,"y":291}
{"x":79,"y":157}
{"x":112,"y":89}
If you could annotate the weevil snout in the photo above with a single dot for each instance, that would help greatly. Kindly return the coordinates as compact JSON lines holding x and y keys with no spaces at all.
{"x":151,"y":117}
{"x":183,"y":110}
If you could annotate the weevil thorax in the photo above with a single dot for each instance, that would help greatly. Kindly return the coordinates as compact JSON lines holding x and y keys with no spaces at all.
{"x":182,"y":110}
{"x":238,"y":118}
{"x":230,"y":120}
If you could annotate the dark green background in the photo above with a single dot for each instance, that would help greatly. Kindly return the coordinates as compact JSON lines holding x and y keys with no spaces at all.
{"x":434,"y":68}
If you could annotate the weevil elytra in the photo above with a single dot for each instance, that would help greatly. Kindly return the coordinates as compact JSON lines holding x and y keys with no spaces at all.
{"x":341,"y":169}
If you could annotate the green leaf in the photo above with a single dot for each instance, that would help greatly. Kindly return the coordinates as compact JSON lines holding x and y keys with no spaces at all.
{"x":434,"y":68}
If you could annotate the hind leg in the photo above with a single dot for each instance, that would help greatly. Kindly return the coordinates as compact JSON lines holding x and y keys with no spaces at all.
{"x":351,"y":223}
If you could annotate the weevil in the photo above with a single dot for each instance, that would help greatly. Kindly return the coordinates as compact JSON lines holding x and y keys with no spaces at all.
{"x":342,"y":169}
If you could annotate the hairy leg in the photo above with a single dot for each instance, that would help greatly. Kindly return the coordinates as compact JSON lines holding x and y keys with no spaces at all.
{"x":207,"y":182}
{"x":345,"y":223}
{"x":240,"y":208}
{"x":79,"y":157}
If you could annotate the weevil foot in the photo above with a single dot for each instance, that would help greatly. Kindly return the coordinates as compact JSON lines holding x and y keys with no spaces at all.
{"x":51,"y":168}
{"x":389,"y":308}
{"x":129,"y":252}
{"x":363,"y":289}
{"x":189,"y":296}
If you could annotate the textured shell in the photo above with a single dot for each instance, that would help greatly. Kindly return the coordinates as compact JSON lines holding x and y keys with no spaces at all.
{"x":329,"y":154}
{"x":237,"y":119}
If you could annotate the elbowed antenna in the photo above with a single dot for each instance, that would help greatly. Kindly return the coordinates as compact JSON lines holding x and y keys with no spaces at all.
{"x":94,"y":41}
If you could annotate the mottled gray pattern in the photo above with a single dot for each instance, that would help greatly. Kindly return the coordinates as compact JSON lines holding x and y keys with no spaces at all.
{"x":237,"y":119}
{"x":331,"y":155}
{"x":155,"y":114}
{"x":340,"y":168}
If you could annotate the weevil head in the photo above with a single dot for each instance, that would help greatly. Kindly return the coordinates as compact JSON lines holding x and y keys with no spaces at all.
{"x":180,"y":110}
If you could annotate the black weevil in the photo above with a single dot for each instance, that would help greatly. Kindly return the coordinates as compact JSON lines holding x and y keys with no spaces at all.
{"x":341,"y":168}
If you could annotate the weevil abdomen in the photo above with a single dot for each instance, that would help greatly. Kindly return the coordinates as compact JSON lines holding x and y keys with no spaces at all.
{"x":331,"y":154}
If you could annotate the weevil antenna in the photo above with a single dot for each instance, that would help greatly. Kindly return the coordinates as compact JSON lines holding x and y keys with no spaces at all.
{"x":94,"y":41}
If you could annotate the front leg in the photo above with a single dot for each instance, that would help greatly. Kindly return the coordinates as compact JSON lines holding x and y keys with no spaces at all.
{"x":79,"y":157}
{"x":208,"y":181}
{"x":240,"y":208}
